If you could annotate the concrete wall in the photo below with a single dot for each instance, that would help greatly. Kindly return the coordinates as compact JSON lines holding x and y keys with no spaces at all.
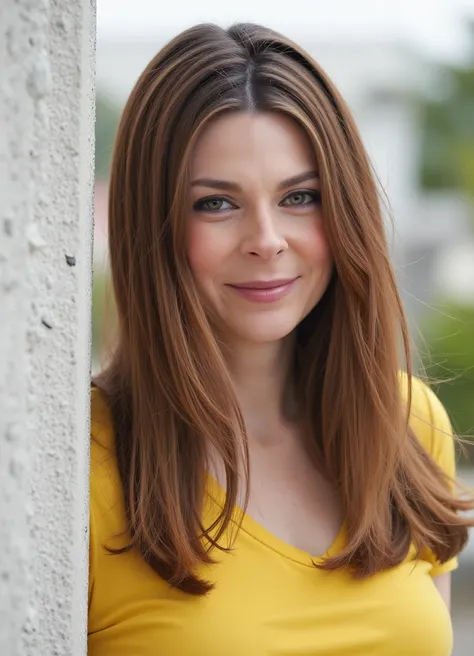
{"x":47,"y":70}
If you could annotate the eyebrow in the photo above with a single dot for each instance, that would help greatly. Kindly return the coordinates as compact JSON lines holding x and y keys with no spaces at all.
{"x":227,"y":185}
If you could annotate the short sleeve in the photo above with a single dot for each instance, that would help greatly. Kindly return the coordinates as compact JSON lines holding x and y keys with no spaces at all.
{"x":435,"y":432}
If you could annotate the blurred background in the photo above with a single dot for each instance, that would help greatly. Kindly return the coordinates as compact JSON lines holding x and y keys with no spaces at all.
{"x":406,"y":69}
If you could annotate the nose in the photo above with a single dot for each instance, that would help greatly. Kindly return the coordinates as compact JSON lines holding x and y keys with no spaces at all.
{"x":263,"y":237}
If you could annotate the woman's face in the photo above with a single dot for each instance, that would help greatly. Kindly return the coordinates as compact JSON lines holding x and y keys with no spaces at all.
{"x":256,"y":239}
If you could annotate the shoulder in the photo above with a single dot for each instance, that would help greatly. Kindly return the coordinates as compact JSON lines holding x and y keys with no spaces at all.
{"x":107,"y":513}
{"x":430,"y":423}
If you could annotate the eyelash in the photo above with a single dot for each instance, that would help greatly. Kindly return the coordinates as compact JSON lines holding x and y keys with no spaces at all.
{"x":199,"y":206}
{"x":315,"y":196}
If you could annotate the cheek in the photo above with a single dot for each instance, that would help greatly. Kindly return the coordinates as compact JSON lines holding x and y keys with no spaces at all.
{"x":315,"y":247}
{"x":206,"y":251}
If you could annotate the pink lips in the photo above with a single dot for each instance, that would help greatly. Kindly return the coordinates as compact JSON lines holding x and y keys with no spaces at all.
{"x":264,"y":291}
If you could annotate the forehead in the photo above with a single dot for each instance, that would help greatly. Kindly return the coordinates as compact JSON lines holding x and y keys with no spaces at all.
{"x":235,"y":142}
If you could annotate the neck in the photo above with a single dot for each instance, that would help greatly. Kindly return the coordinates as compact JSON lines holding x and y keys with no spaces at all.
{"x":261,"y":375}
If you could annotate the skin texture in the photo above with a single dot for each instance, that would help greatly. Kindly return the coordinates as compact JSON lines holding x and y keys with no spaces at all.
{"x":443,"y":585}
{"x":261,"y":232}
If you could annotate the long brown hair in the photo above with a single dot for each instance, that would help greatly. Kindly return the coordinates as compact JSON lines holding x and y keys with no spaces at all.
{"x":167,"y":384}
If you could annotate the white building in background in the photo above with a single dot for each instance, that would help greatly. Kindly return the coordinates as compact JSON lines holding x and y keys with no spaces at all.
{"x":380,"y":82}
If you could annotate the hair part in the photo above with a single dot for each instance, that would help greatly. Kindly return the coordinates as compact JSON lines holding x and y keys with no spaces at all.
{"x":168,"y":387}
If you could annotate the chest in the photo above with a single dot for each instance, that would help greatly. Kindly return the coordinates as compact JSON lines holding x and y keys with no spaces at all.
{"x":291,"y":500}
{"x":266,"y":604}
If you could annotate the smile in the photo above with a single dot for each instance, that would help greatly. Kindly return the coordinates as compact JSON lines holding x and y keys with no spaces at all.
{"x":264,"y":291}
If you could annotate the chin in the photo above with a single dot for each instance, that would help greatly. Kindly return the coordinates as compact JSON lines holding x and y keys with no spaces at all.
{"x":264,"y":332}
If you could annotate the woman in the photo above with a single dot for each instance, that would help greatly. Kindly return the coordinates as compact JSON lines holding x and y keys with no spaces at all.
{"x":264,"y":480}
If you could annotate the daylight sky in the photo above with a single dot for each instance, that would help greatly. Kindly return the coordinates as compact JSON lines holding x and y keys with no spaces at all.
{"x":435,"y":26}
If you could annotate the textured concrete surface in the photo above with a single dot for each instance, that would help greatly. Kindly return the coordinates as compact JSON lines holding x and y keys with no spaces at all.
{"x":46,"y":174}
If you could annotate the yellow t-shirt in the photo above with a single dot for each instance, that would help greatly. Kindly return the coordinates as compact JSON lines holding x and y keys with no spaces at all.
{"x":268,"y":599}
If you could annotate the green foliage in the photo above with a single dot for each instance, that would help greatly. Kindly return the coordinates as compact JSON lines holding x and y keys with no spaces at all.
{"x":107,"y":120}
{"x":448,"y":164}
{"x":450,"y":357}
{"x":448,"y":132}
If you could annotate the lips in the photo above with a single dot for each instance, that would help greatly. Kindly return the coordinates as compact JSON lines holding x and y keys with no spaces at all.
{"x":264,"y":291}
{"x":262,"y":284}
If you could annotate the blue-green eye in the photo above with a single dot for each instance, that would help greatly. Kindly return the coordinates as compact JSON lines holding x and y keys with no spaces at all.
{"x":299,"y":198}
{"x":214,"y":204}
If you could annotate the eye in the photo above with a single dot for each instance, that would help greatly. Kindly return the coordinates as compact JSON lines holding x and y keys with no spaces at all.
{"x":298,"y":198}
{"x":212,"y":204}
